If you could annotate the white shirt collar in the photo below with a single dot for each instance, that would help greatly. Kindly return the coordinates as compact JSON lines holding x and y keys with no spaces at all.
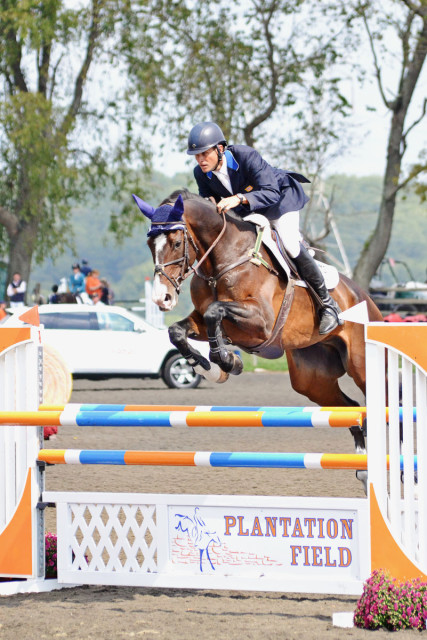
{"x":222,"y":175}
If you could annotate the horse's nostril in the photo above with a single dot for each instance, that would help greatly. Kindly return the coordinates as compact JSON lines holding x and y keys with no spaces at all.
{"x":168,"y":297}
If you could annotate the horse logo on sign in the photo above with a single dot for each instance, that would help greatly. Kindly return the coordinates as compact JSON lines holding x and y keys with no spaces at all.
{"x":197,"y":531}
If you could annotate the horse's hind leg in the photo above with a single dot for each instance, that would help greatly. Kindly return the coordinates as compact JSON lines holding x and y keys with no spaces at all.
{"x":314,"y":372}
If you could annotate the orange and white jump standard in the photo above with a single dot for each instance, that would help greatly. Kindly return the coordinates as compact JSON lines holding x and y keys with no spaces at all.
{"x":294,"y":544}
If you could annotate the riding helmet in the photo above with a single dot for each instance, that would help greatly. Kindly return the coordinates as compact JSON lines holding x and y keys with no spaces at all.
{"x":203,"y":136}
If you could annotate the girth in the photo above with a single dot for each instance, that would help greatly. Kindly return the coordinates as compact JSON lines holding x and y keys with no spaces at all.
{"x":272,"y":348}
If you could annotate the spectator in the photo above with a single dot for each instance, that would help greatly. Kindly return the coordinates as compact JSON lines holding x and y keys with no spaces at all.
{"x":77,"y":280}
{"x":93,"y":283}
{"x":54,"y":297}
{"x":107,"y":294}
{"x":3,"y":313}
{"x":37,"y":297}
{"x":85,"y":268}
{"x":96,"y":299}
{"x":16,"y":291}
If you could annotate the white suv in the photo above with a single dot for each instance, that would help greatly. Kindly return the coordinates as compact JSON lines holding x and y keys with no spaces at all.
{"x":98,"y":341}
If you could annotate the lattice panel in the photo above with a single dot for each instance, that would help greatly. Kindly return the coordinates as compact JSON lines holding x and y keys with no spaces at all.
{"x":113,"y":538}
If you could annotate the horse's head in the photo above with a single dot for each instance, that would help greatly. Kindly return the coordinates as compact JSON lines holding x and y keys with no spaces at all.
{"x":172,"y":249}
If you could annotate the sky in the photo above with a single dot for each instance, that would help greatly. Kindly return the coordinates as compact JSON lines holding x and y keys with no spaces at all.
{"x":366,"y":157}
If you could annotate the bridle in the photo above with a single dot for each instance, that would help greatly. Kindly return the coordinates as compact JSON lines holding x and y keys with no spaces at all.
{"x":188,"y":269}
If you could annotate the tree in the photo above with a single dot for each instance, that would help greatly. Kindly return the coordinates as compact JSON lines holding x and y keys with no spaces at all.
{"x":267,"y":74}
{"x":54,"y":139}
{"x":406,"y":21}
{"x":242,"y":65}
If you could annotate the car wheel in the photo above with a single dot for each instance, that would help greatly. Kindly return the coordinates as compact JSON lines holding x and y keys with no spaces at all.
{"x":178,"y":374}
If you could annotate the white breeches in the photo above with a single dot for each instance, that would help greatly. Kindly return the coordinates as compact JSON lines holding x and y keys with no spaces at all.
{"x":287,"y":226}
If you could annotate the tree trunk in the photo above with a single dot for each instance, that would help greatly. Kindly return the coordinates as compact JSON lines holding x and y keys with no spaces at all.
{"x":376,"y":246}
{"x":21,"y":248}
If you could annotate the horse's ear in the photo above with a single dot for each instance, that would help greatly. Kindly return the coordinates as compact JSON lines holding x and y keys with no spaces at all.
{"x":146,"y":208}
{"x":178,"y":209}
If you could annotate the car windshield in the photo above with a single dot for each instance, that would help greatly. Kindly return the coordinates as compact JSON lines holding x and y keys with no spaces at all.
{"x":114,"y":322}
{"x":81,"y":321}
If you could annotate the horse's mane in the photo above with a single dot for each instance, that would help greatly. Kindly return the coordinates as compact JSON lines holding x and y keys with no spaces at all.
{"x":184,"y":193}
{"x":188,"y":195}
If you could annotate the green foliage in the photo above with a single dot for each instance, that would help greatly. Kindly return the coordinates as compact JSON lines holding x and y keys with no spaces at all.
{"x":51,"y":125}
{"x":36,"y":181}
{"x":355,"y":202}
{"x":239,"y":76}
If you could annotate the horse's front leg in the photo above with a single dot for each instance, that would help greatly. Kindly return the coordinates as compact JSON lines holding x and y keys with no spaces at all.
{"x":218,"y":352}
{"x":193,"y":326}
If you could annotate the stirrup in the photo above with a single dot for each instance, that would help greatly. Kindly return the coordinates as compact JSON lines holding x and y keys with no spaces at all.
{"x":330,"y":319}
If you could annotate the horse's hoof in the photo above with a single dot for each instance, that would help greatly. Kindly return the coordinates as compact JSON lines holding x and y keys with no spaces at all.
{"x":237,"y":364}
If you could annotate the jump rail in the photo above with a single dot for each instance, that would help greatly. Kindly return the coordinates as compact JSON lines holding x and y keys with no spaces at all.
{"x":258,"y":460}
{"x":71,"y":417}
{"x":75,"y":407}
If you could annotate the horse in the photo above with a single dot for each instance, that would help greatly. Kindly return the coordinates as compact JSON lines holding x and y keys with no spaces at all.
{"x":239,"y":296}
{"x":66,"y":298}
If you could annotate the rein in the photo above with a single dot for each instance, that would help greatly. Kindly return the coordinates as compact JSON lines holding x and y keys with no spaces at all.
{"x":187,"y":269}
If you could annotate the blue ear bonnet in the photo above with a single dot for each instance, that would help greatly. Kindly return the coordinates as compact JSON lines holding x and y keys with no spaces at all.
{"x":167,"y":217}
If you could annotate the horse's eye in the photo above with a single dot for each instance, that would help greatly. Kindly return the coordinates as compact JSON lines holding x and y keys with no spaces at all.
{"x":177,"y":244}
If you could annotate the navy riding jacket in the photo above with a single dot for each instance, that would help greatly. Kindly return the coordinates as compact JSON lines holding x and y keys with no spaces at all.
{"x":269,"y":191}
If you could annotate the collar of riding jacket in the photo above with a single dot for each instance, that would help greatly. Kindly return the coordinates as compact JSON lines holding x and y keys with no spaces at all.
{"x":231,"y":163}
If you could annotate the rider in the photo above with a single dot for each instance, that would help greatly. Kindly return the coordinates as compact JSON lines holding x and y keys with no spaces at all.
{"x":239,"y":178}
{"x":77,"y":280}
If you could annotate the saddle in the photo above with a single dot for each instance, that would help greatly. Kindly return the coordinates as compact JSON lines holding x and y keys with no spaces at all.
{"x":329,"y":272}
{"x":273,"y":348}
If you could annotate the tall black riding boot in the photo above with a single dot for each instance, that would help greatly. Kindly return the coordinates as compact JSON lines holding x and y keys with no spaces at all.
{"x":310,"y":272}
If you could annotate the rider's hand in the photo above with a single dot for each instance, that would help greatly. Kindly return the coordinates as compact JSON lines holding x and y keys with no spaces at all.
{"x":226,"y":204}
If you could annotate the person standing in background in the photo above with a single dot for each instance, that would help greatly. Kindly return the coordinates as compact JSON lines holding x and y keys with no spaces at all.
{"x":16,"y":291}
{"x":85,"y":268}
{"x":54,"y":296}
{"x":107,"y":294}
{"x":93,"y":284}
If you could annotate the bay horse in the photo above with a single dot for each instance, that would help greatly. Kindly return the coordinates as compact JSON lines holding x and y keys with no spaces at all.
{"x":241,"y":299}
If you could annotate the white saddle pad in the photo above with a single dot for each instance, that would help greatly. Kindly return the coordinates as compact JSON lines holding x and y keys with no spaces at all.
{"x":329,"y":272}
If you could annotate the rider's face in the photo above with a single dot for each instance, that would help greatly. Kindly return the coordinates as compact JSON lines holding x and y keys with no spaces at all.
{"x":208,"y":160}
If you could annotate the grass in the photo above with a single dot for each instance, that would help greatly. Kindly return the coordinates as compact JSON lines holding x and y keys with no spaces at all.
{"x":251,"y":362}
